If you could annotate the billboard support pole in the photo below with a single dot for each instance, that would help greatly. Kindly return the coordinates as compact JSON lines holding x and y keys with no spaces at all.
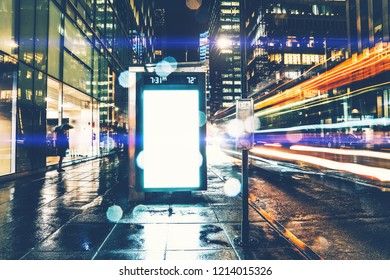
{"x":245,"y":142}
{"x":245,"y":198}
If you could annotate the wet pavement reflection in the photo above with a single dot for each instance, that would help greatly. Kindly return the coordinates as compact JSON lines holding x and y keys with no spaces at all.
{"x":83,"y":213}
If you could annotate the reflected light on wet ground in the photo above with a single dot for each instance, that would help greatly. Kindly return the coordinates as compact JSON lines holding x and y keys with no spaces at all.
{"x":382,"y":174}
{"x":214,"y":153}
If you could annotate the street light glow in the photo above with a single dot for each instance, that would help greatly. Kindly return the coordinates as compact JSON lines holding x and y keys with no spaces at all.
{"x":224,"y":43}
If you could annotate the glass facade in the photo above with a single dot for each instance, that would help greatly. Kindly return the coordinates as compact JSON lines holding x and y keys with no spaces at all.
{"x":225,"y":55}
{"x":59,"y":63}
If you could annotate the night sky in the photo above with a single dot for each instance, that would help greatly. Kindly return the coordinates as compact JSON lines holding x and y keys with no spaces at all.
{"x":184,"y":26}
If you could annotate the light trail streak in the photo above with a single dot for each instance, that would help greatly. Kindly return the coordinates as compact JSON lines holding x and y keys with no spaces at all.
{"x":351,"y":70}
{"x":347,"y":124}
{"x":361,"y":153}
{"x":381,"y":174}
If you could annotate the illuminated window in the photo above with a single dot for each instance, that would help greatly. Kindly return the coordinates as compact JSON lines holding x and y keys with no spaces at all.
{"x":292,"y":58}
{"x":226,"y":51}
{"x":291,"y":75}
{"x":227,"y":104}
{"x":226,"y":27}
{"x":291,"y":41}
{"x":311,"y":42}
{"x":277,"y":58}
{"x":309,"y":59}
{"x":226,"y":11}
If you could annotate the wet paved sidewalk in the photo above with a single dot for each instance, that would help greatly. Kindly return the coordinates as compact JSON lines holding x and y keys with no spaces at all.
{"x":66,"y":216}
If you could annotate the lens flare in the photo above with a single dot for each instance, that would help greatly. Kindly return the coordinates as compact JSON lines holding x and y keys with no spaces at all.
{"x":202,"y":118}
{"x":139,"y":210}
{"x":251,"y":124}
{"x":200,"y":159}
{"x":140,"y":160}
{"x":114,"y":213}
{"x":193,"y":4}
{"x":165,"y":67}
{"x":123,"y":79}
{"x":294,"y":137}
{"x":232,"y":187}
{"x":172,"y":61}
{"x":235,"y":128}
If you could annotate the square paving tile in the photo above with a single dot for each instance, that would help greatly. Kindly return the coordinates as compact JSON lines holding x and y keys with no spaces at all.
{"x":225,"y":254}
{"x":196,"y":236}
{"x":145,"y":237}
{"x":130,"y":255}
{"x":76,"y":238}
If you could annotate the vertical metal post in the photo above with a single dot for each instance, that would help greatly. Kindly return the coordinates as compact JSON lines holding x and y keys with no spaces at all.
{"x":243,"y":40}
{"x":244,"y":158}
{"x":245,"y":197}
{"x":244,"y":240}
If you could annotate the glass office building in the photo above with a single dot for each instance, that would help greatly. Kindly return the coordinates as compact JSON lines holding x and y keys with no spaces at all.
{"x":225,"y":55}
{"x":59,"y":63}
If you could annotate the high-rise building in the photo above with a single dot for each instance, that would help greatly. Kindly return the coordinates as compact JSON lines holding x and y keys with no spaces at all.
{"x":160,"y":32}
{"x":204,"y":47}
{"x":368,"y":24}
{"x":204,"y":57}
{"x":59,"y":63}
{"x":225,"y":55}
{"x":286,"y":38}
{"x":369,"y":40}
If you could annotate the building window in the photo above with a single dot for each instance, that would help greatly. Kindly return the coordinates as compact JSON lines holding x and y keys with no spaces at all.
{"x":227,"y":104}
{"x":8,"y":72}
{"x":76,"y":43}
{"x":308,"y":59}
{"x":77,"y":111}
{"x":277,"y":58}
{"x":292,"y":58}
{"x":7,"y":27}
{"x":26,"y":39}
{"x":292,"y":74}
{"x":76,"y":74}
{"x":227,"y":90}
{"x":54,"y":39}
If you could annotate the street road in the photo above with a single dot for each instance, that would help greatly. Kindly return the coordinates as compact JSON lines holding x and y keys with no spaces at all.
{"x":338,"y":215}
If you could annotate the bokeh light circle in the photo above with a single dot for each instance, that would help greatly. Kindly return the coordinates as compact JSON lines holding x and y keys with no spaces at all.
{"x":193,"y":4}
{"x":164,"y":69}
{"x":166,"y":66}
{"x":114,"y":213}
{"x":140,"y":160}
{"x":235,"y":128}
{"x":251,"y":124}
{"x":123,"y":79}
{"x":202,"y":118}
{"x":232,"y":187}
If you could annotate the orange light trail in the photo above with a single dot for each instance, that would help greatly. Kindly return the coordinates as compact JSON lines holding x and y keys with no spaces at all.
{"x":363,"y":153}
{"x":366,"y":65}
{"x":381,"y":174}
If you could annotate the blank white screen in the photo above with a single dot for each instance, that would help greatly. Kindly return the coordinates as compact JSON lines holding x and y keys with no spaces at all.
{"x":171,"y":139}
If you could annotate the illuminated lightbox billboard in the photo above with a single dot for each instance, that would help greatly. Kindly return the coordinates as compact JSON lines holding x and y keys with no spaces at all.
{"x":171,"y":130}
